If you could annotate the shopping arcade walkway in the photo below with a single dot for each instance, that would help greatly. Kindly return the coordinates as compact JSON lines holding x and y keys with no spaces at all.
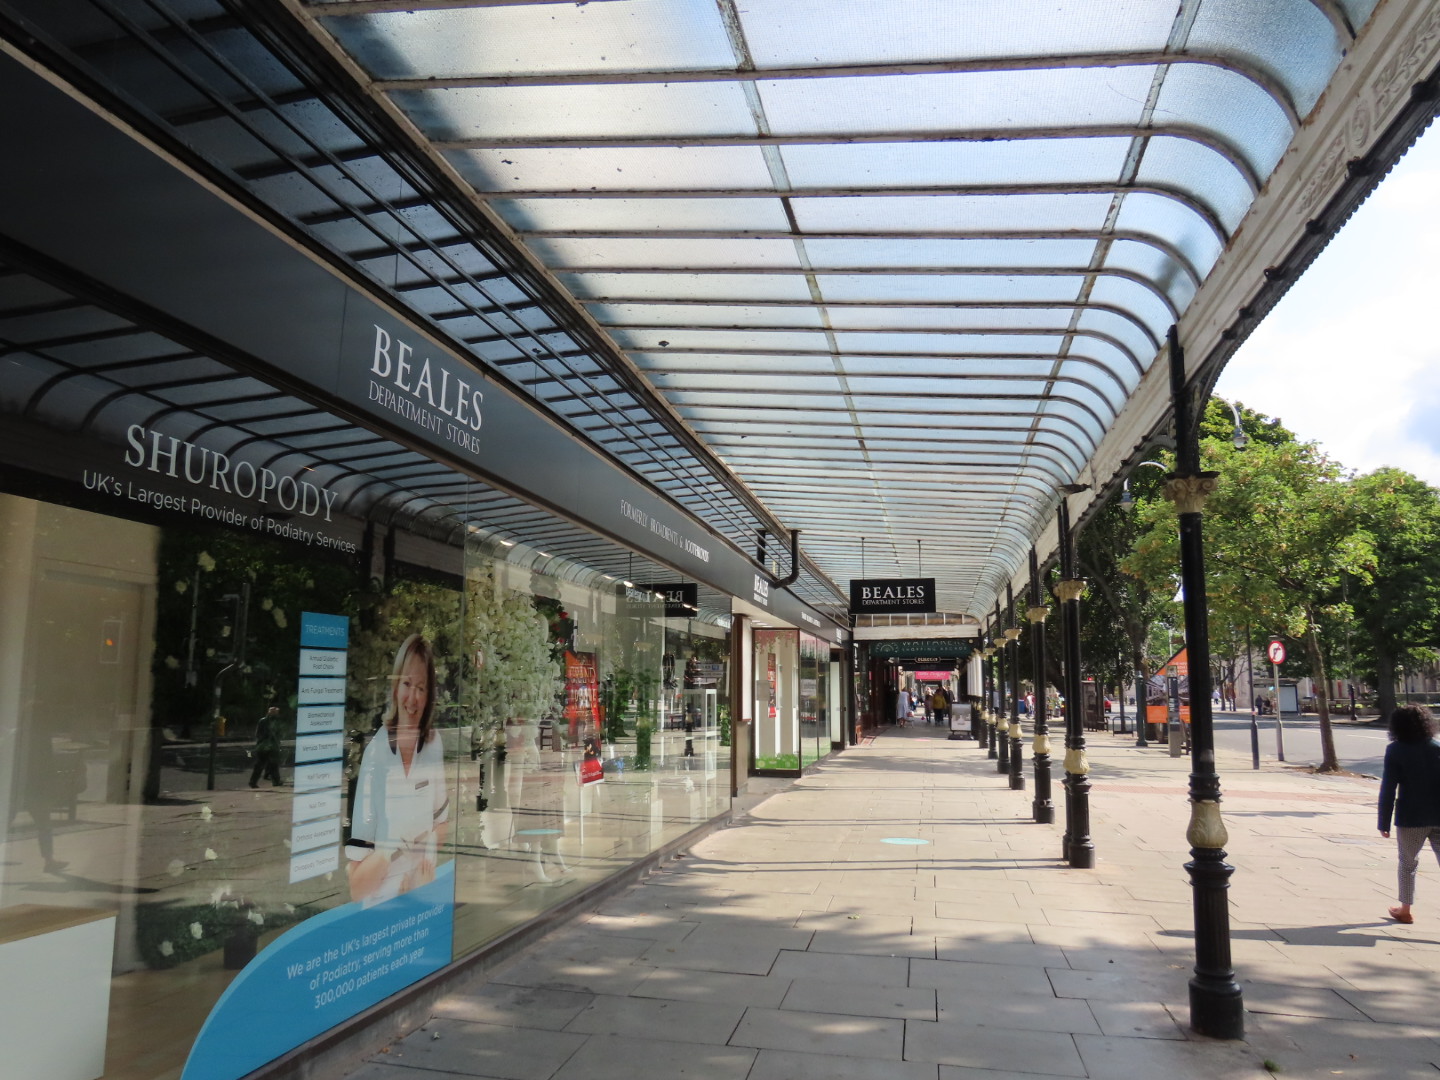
{"x":799,"y":944}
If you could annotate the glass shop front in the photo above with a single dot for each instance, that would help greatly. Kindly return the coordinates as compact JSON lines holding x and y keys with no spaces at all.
{"x":272,"y":747}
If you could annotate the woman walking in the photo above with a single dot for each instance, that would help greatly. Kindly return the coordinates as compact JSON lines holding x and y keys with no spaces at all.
{"x":1410,"y":790}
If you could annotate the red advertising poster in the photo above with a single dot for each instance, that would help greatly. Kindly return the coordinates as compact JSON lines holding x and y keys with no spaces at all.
{"x":582,"y":694}
{"x":1177,"y":666}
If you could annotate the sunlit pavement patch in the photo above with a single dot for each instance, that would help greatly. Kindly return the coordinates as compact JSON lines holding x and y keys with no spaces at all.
{"x":902,"y":840}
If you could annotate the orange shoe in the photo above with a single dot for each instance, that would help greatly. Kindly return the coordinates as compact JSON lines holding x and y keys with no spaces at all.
{"x":1401,"y":916}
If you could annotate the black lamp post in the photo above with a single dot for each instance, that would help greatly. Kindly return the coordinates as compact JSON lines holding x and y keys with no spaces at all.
{"x":1000,"y":744}
{"x":1012,"y":636}
{"x":1079,"y":849}
{"x":1042,"y":806}
{"x":1216,"y":1005}
{"x":987,"y":692}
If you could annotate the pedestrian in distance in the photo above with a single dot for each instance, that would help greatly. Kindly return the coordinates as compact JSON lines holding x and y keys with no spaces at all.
{"x":267,"y":749}
{"x":940,"y":703}
{"x":1410,"y":793}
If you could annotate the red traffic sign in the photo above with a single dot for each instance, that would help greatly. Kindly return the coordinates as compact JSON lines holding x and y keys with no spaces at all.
{"x":1276,"y":651}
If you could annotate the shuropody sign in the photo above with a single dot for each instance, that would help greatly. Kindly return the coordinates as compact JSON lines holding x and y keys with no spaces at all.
{"x":892,"y":596}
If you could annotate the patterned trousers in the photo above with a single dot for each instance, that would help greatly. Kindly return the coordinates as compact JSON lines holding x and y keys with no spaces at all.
{"x":1411,"y":838}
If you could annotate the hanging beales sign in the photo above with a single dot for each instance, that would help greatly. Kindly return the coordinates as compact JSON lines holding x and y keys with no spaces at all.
{"x":892,"y":596}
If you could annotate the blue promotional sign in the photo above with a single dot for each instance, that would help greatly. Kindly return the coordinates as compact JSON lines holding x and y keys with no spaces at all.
{"x":322,"y":972}
{"x":319,"y":631}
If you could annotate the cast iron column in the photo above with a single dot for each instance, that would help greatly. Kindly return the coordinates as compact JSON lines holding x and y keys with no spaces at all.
{"x":1017,"y":777}
{"x":1043,"y":807}
{"x":1001,"y":734}
{"x":982,"y":730}
{"x":1216,"y":1005}
{"x":1079,"y":849}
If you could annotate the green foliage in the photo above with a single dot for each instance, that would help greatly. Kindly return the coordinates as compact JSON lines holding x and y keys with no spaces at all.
{"x":724,"y":716}
{"x":1281,"y":535}
{"x":642,"y":745}
{"x":779,"y":761}
{"x":517,"y":675}
{"x":1397,"y":614}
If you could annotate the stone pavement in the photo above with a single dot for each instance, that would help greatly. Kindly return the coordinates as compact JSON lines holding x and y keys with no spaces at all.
{"x":810,"y":940}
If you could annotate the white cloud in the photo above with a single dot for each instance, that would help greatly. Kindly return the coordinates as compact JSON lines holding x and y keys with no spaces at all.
{"x":1350,"y":358}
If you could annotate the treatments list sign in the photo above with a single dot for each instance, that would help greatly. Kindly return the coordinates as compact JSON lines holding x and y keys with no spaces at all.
{"x":892,"y":596}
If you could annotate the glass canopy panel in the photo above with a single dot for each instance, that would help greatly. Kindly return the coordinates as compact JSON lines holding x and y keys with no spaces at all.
{"x":1155,"y":266}
{"x":587,"y":216}
{"x":918,"y":252}
{"x":639,"y":316}
{"x":952,"y":287}
{"x":680,"y":255}
{"x":947,"y":344}
{"x":613,"y":168}
{"x":538,"y":112}
{"x":799,"y":32}
{"x":1292,"y":40}
{"x":964,"y":101}
{"x":720,"y":388}
{"x":1185,"y":166}
{"x":1134,"y":298}
{"x":641,"y":35}
{"x":1359,"y":11}
{"x":958,"y":164}
{"x":949,"y":319}
{"x":1182,"y":228}
{"x":1237,"y":109}
{"x":935,"y":213}
{"x":1121,"y":328}
{"x":681,"y":342}
{"x":731,"y":287}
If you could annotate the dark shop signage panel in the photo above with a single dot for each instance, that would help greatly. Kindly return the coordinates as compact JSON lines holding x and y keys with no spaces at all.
{"x":931,"y":650}
{"x":892,"y":596}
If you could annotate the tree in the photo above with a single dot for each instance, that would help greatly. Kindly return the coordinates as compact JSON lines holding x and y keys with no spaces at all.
{"x":1128,"y":602}
{"x":517,"y":674}
{"x":1281,"y":533}
{"x":1398,"y":612}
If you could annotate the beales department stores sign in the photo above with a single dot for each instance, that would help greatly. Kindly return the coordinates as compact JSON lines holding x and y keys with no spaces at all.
{"x":892,"y":596}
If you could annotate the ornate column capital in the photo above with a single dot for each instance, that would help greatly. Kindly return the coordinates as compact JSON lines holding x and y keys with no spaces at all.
{"x":1037,"y":614}
{"x":1012,"y":633}
{"x":1070,"y":589}
{"x":1015,"y":731}
{"x":1041,"y":744}
{"x":1207,"y":829}
{"x":1189,"y":493}
{"x":1076,"y":763}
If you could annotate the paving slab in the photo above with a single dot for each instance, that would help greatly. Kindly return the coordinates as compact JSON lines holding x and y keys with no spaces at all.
{"x":992,"y":1048}
{"x":609,"y":1057}
{"x":821,"y":1033}
{"x":775,"y":937}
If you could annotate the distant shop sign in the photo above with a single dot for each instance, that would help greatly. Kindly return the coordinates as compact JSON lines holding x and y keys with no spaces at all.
{"x":928,"y":650}
{"x":892,"y":596}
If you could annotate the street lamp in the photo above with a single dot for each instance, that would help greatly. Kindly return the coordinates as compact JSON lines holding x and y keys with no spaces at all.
{"x":1239,"y":438}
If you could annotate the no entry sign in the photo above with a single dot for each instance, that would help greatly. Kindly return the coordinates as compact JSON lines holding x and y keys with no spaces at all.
{"x":1276,"y":651}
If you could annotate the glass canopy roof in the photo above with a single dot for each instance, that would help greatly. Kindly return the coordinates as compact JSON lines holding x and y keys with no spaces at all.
{"x":901,"y":264}
{"x":888,"y":272}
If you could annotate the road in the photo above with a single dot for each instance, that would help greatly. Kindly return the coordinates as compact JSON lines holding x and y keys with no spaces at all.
{"x":1360,"y":748}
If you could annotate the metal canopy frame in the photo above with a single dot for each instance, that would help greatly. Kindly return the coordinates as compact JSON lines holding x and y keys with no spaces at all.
{"x":781,"y":265}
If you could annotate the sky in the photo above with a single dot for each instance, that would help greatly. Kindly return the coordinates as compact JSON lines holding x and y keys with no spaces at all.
{"x":1350,"y":357}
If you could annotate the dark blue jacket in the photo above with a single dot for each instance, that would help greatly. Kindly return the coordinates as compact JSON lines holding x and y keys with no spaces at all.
{"x":1414,"y":769}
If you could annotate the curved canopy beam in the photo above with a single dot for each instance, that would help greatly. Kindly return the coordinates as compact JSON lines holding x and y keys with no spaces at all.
{"x":1272,"y":87}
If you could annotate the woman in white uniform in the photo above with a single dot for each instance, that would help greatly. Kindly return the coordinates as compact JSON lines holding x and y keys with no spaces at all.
{"x":402,"y":802}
